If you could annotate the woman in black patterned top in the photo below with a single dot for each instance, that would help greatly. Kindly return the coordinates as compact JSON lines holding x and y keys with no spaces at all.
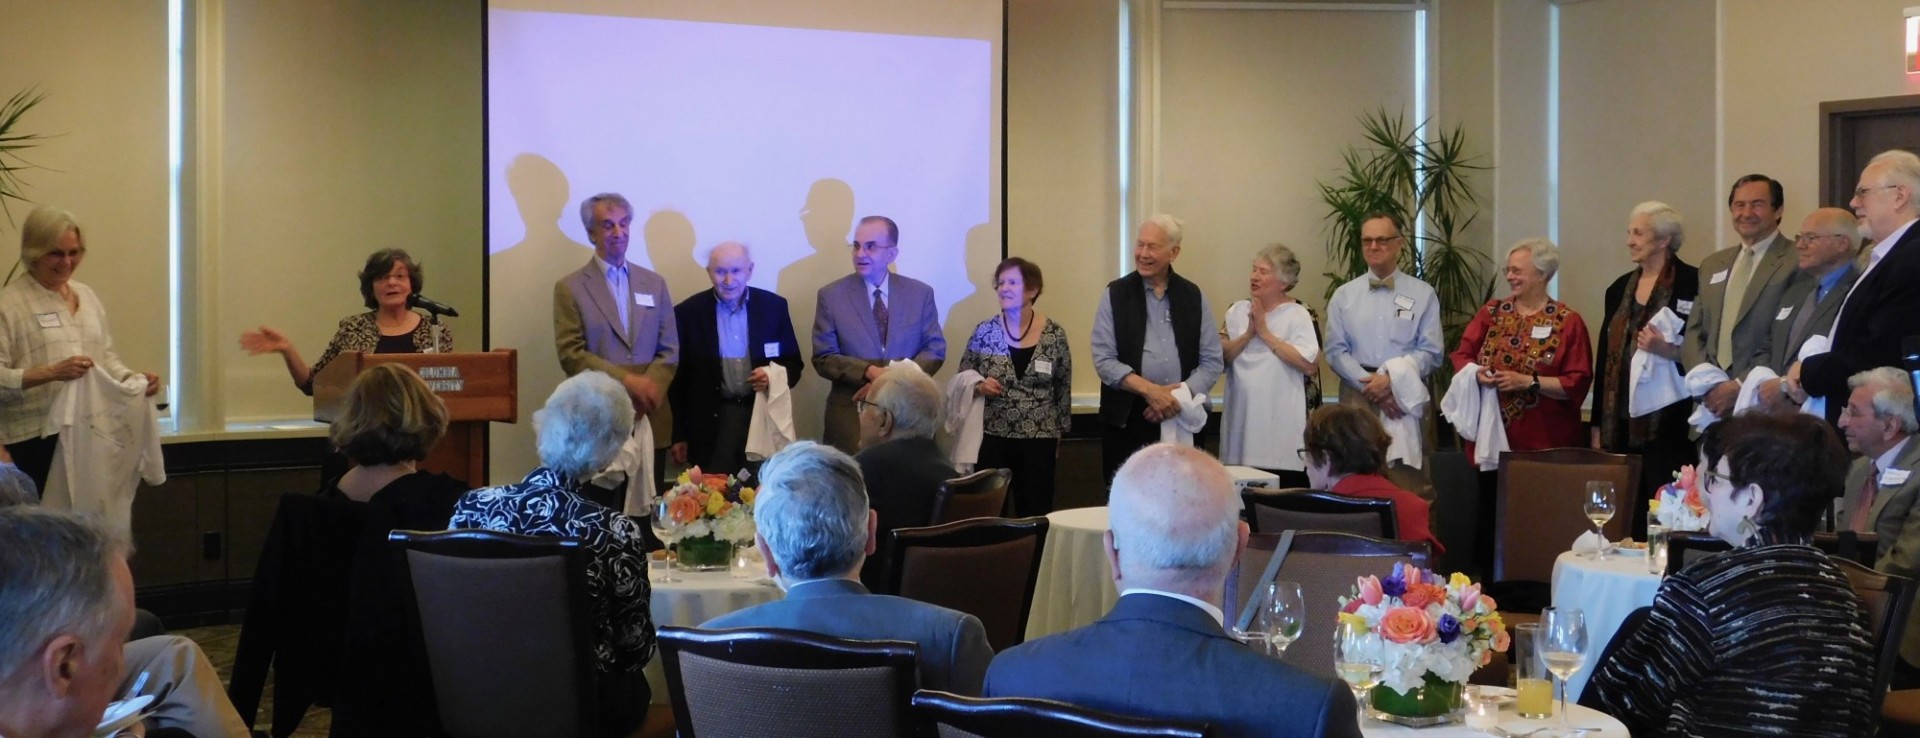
{"x":579,"y":431}
{"x":1028,"y":384}
{"x":391,"y":327}
{"x":1766,"y":639}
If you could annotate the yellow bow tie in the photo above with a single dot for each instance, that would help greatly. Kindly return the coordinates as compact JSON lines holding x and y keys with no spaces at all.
{"x":1379,"y":284}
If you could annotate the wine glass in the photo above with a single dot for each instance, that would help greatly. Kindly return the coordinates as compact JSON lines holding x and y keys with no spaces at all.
{"x":1600,"y":508}
{"x":1356,"y":658}
{"x":668,"y":530}
{"x":1563,"y":645}
{"x":1283,"y":612}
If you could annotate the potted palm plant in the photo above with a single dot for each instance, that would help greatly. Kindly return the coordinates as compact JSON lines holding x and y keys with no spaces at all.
{"x":12,"y":142}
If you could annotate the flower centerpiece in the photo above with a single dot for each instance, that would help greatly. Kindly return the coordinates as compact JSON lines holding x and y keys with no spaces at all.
{"x":709,"y":514}
{"x":1680,"y":505}
{"x":1434,"y":632}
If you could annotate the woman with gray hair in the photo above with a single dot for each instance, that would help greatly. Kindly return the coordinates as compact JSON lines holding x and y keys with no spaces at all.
{"x":579,"y":431}
{"x":1271,"y":349}
{"x":52,"y":330}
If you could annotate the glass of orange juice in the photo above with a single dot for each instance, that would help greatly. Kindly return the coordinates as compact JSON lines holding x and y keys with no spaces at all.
{"x":1531,"y":680}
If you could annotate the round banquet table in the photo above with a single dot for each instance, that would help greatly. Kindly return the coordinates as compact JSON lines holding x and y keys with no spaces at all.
{"x":1075,"y":586}
{"x":1604,"y":726}
{"x":694,"y":598}
{"x":1607,"y":591}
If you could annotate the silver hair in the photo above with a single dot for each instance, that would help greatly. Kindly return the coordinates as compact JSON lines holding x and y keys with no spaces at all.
{"x":584,"y":423}
{"x":745,"y":250}
{"x":1665,"y":221}
{"x":16,"y":488}
{"x":1285,"y":265}
{"x":1173,"y":510}
{"x":812,"y":511}
{"x":40,"y":233}
{"x":1902,"y":168}
{"x":56,"y":578}
{"x":1173,"y":227}
{"x":910,"y":397}
{"x":1892,"y":394}
{"x":586,"y":207}
{"x":1546,"y":256}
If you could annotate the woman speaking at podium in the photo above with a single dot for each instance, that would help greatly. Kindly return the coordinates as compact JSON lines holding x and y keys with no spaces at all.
{"x":388,"y":281}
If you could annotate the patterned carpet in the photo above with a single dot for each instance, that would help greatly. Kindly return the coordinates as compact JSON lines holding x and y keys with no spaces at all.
{"x":220,"y":642}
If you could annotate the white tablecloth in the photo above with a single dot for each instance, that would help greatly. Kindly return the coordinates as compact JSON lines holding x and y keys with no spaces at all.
{"x":1246,"y":475}
{"x":1607,"y":591}
{"x":1580,"y":717}
{"x":695,"y":598}
{"x":1075,"y":586}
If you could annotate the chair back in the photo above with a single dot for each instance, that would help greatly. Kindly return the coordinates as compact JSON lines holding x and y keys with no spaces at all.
{"x":505,"y":622}
{"x":982,"y":494}
{"x":768,"y":681}
{"x":1538,"y":510}
{"x":985,"y":567}
{"x":1244,"y":580}
{"x":947,"y":715}
{"x":1861,"y":548}
{"x":1686,"y":547}
{"x":1272,"y":511}
{"x":1326,"y":565}
{"x":1887,"y":600}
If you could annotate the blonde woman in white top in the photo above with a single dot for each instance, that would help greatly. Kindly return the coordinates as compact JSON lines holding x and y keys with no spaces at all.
{"x":1270,"y":348}
{"x":52,"y":331}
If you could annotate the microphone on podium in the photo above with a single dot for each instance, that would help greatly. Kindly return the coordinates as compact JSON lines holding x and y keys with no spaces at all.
{"x":431,"y":306}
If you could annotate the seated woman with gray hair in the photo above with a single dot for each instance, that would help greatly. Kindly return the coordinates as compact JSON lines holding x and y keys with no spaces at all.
{"x":578,"y":432}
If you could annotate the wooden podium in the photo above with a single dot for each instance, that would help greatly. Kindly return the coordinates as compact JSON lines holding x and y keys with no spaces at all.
{"x":478,"y":388}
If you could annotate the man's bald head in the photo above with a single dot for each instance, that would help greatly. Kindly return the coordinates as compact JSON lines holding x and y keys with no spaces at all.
{"x":1175,"y":521}
{"x":730,"y":266}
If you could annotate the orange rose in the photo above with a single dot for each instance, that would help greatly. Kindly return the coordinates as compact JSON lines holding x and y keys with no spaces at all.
{"x":1407,"y":625}
{"x":687,"y":507}
{"x":1423,"y":594}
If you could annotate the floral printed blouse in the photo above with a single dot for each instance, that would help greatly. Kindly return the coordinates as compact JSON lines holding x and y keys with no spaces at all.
{"x":1038,"y":403}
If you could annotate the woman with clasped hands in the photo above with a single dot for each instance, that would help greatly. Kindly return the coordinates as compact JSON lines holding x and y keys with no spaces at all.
{"x":388,"y":280}
{"x":54,"y":331}
{"x":1270,"y":348}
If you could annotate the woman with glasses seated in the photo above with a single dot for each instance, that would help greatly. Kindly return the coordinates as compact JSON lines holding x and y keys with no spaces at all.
{"x":1766,"y":639}
{"x":1345,"y":452}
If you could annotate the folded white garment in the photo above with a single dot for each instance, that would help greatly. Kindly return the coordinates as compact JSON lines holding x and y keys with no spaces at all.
{"x":1474,"y":411}
{"x":966,"y":419}
{"x":771,"y":427}
{"x":1654,"y":380}
{"x":1590,"y":542}
{"x":635,"y":460}
{"x":1750,"y":388}
{"x":1700,"y":380}
{"x":1193,"y":416}
{"x":1410,"y":391}
{"x":109,"y":443}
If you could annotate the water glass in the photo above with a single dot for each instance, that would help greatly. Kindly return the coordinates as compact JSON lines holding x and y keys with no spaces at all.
{"x":1532,"y":684}
{"x":1656,"y":548}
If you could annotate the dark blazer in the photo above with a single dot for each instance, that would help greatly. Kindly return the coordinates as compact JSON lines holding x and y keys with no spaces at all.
{"x":1880,"y":311}
{"x":1158,"y":657}
{"x":1753,"y":317}
{"x":846,"y":341}
{"x":953,"y":645}
{"x":902,"y":476}
{"x":695,"y":393}
{"x":1783,"y":345}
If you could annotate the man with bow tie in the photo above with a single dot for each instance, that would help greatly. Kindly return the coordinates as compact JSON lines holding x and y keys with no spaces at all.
{"x":1379,"y":316}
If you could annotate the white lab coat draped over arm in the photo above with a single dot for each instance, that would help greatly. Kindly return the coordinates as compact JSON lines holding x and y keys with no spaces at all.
{"x":771,"y":427}
{"x":109,"y":444}
{"x":1474,"y":411}
{"x":1410,"y":391}
{"x":1654,"y":381}
{"x":966,"y":419}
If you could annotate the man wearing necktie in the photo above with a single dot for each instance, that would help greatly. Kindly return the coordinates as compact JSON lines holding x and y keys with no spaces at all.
{"x":867,"y":319}
{"x":1379,"y":316}
{"x":1825,"y":254}
{"x":1881,"y":490}
{"x":1732,"y":321}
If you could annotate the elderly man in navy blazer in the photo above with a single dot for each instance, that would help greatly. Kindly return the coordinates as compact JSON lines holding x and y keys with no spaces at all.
{"x":728,"y":337}
{"x":617,"y":318}
{"x":815,"y":530}
{"x":1163,"y":651}
{"x":866,"y":319}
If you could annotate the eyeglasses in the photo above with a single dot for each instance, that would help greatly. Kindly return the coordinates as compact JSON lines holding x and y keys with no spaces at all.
{"x":858,"y":247}
{"x":1811,"y":237}
{"x":862,"y":404}
{"x":1710,"y":476}
{"x":1862,"y":191}
{"x":1381,"y":241}
{"x":73,"y":254}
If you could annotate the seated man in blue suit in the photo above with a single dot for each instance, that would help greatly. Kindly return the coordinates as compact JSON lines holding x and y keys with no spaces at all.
{"x":1162,"y":651}
{"x":815,"y":529}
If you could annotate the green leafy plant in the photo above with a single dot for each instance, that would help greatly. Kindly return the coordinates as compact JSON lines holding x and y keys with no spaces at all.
{"x":12,"y":142}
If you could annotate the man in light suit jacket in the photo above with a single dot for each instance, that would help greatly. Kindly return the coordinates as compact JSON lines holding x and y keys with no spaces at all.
{"x":1732,"y":319}
{"x":1879,"y":311}
{"x":815,"y":529}
{"x":1163,"y":652}
{"x":1825,"y":254}
{"x":728,"y":336}
{"x":866,"y":319}
{"x":614,"y":317}
{"x":1882,"y":489}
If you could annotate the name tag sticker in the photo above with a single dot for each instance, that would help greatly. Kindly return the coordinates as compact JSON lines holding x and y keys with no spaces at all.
{"x":771,"y":349}
{"x":1403,"y":314}
{"x":1405,"y":302}
{"x":48,"y":320}
{"x":1718,"y":277}
{"x":1892,"y":477}
{"x":1784,"y":312}
{"x":1540,"y":332}
{"x":1685,"y":307}
{"x":643,"y":299}
{"x":1042,"y":366}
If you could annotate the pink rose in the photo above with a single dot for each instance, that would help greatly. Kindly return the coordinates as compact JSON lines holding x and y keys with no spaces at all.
{"x":1370,"y":590}
{"x":1500,"y":638}
{"x":1407,"y":625}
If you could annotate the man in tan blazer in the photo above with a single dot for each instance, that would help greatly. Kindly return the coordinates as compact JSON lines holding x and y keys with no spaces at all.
{"x":1882,"y":489}
{"x":1740,"y":291}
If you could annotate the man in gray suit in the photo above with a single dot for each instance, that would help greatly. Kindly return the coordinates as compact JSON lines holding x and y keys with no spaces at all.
{"x":1733,"y":317}
{"x":866,"y":319}
{"x":1825,"y":254}
{"x":815,"y":529}
{"x":617,"y":318}
{"x":1882,"y":491}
